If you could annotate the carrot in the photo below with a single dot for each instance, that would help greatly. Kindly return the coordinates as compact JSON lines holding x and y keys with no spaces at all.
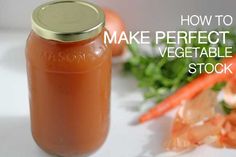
{"x":187,"y":92}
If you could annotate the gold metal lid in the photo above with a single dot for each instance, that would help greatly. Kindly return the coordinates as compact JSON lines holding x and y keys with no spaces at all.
{"x":68,"y":20}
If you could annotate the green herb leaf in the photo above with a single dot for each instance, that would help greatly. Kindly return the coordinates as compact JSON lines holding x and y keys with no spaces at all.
{"x":160,"y":76}
{"x":218,"y":86}
{"x":225,"y":107}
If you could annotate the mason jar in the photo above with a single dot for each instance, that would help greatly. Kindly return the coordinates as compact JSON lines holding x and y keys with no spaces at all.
{"x":69,"y":77}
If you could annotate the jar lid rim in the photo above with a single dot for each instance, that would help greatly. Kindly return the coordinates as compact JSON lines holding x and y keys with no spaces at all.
{"x":67,"y":20}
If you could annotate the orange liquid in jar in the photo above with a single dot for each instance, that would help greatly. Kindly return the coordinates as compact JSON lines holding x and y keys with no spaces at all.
{"x":69,"y":90}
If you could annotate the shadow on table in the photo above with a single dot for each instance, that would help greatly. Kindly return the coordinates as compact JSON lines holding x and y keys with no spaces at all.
{"x":16,"y":139}
{"x":125,"y":86}
{"x":121,"y":83}
{"x":160,"y":129}
{"x":14,"y":58}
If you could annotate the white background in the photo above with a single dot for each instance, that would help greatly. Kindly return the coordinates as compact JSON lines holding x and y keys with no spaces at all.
{"x":137,"y":14}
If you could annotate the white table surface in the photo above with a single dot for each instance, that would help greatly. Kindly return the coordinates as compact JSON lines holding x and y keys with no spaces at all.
{"x":125,"y":138}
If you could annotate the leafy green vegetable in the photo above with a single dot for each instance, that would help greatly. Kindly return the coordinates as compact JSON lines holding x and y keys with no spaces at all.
{"x":225,"y":107}
{"x":160,"y":76}
{"x":218,"y":86}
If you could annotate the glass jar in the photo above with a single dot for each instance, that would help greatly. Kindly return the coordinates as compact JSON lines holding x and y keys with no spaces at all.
{"x":69,"y":77}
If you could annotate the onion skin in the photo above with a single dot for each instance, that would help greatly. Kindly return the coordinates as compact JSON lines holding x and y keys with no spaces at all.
{"x":114,"y":23}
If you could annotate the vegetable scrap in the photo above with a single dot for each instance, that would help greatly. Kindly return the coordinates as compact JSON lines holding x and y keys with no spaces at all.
{"x":189,"y":91}
{"x":197,"y":123}
{"x":160,"y":76}
{"x":229,"y":93}
{"x":168,"y":81}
